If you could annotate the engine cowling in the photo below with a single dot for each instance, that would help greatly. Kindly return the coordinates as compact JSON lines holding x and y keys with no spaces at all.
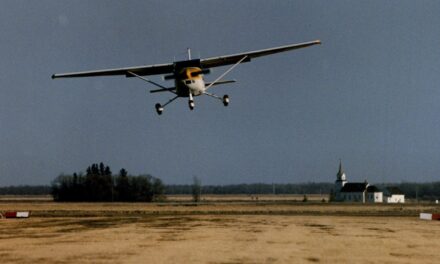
{"x":197,"y":73}
{"x":193,"y":74}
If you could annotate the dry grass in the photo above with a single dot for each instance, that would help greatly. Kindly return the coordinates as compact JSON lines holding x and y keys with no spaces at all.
{"x":218,"y":232}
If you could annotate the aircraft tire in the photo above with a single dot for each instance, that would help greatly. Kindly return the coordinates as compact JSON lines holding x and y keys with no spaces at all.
{"x":225,"y":100}
{"x":159,"y":109}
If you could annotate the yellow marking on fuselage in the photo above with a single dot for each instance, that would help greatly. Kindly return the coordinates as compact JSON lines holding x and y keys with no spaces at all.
{"x":187,"y":73}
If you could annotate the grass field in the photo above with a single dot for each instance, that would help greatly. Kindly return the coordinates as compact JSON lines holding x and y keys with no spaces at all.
{"x":220,"y":230}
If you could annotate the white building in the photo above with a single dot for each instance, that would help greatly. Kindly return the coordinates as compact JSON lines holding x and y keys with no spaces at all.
{"x":355,"y":192}
{"x":394,"y":195}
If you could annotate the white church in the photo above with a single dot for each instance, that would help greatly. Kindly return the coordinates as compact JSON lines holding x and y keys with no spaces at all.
{"x":363,"y":192}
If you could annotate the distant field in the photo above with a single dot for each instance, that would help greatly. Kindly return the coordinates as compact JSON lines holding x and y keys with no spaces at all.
{"x":23,"y":198}
{"x":254,"y":197}
{"x":212,"y":204}
{"x":219,"y":230}
{"x":188,"y":198}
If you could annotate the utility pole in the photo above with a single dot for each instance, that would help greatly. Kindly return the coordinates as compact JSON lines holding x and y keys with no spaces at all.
{"x":417,"y":193}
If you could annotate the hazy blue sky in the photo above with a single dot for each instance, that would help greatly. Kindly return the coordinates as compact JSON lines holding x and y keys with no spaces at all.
{"x":370,"y":94}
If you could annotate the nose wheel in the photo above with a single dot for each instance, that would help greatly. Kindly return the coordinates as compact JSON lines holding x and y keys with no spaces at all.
{"x":191,"y":101}
{"x":225,"y":100}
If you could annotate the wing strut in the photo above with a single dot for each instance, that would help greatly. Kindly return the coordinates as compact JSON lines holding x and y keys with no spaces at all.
{"x":163,"y":88}
{"x":226,"y":72}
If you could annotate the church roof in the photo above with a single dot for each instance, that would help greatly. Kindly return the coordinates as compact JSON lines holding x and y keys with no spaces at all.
{"x":372,"y":189}
{"x":354,"y":187}
{"x":359,"y":187}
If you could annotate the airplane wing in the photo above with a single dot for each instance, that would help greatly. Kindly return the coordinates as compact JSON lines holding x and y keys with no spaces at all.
{"x":234,"y":58}
{"x":169,"y":67}
{"x":139,"y":70}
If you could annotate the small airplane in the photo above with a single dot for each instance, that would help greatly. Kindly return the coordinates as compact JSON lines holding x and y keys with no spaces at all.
{"x":188,"y":74}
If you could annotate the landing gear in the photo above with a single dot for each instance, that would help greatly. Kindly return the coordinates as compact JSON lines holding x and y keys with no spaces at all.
{"x":191,"y":102}
{"x":159,"y":109}
{"x":225,"y":100}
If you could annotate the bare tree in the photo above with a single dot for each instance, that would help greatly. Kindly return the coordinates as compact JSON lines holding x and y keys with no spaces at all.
{"x":196,"y":189}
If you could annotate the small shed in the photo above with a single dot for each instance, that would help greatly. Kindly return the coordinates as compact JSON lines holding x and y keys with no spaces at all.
{"x":394,"y":195}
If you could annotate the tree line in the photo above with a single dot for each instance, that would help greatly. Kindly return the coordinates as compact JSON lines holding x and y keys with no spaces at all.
{"x":123,"y":183}
{"x":99,"y":185}
{"x":25,"y":190}
{"x":254,"y":188}
{"x":421,"y":191}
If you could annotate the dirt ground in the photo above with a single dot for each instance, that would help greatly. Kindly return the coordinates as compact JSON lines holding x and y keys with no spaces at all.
{"x":221,"y":237}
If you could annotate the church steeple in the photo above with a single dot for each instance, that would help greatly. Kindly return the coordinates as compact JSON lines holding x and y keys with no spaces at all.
{"x":340,"y":176}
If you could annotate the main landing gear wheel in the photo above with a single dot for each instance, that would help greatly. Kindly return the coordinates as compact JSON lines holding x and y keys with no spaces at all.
{"x":159,"y":109}
{"x":191,"y":105}
{"x":225,"y":100}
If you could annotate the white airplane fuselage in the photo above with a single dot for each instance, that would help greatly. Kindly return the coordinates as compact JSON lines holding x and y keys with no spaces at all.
{"x":185,"y":83}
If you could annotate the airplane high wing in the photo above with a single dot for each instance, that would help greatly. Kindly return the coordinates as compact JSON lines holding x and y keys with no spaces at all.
{"x":232,"y":59}
{"x":139,"y":70}
{"x":169,"y":67}
{"x":188,"y":74}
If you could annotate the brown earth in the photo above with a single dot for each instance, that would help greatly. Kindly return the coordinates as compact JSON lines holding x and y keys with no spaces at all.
{"x":229,"y":232}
